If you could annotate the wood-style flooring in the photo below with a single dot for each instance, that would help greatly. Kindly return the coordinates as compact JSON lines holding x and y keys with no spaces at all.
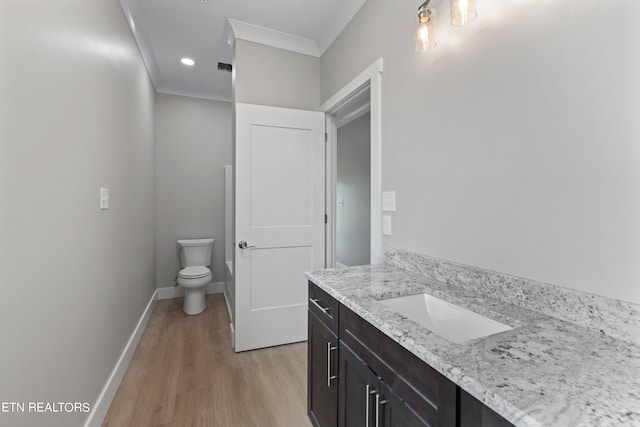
{"x":184,"y":373}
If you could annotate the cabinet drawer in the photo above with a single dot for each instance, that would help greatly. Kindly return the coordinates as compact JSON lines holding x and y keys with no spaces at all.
{"x":324,"y":306}
{"x":420,"y":386}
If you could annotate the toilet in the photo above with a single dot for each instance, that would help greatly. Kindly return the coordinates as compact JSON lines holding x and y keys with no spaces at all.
{"x":195,"y":257}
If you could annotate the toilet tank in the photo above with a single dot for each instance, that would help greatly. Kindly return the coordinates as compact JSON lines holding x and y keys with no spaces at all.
{"x":195,"y":252}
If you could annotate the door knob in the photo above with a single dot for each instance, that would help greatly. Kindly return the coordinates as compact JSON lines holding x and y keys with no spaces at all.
{"x":243,"y":245}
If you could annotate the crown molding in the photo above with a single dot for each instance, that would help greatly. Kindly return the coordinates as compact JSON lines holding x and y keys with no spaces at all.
{"x":235,"y":29}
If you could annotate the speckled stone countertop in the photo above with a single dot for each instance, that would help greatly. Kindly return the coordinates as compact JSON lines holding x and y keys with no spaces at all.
{"x":544,"y":372}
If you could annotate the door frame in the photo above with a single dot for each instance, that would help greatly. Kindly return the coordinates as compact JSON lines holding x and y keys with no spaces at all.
{"x":370,"y":78}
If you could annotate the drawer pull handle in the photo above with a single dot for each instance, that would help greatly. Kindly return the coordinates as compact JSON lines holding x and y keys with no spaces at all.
{"x":330,"y":377}
{"x":325,"y":310}
{"x":369,"y":391}
{"x":379,"y":403}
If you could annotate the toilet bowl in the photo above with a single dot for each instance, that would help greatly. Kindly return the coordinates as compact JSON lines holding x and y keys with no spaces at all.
{"x":195,"y":257}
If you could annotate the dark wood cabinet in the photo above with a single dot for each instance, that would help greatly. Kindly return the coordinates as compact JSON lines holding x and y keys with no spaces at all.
{"x":358,"y":377}
{"x":367,"y":399}
{"x":322,"y":378}
{"x":322,"y":399}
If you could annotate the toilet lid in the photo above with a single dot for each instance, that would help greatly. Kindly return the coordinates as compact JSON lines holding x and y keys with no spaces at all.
{"x":194,"y":272}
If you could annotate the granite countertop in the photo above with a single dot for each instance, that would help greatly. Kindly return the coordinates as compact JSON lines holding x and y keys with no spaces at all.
{"x":544,"y":372}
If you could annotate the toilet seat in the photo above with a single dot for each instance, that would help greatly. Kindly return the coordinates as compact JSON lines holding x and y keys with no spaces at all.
{"x":194,"y":272}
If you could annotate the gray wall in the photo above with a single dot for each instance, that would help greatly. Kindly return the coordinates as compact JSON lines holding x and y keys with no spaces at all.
{"x":266,"y":75}
{"x":76,"y":113}
{"x":514,"y":146}
{"x":193,"y":144}
{"x":353,"y":219}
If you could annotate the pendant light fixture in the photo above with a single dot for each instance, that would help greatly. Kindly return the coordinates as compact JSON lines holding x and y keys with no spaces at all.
{"x":425,"y":29}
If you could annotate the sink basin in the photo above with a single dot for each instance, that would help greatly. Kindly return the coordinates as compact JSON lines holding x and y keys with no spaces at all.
{"x":447,"y":320}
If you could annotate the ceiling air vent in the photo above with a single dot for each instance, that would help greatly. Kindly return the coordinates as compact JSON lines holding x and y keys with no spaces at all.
{"x":224,"y":67}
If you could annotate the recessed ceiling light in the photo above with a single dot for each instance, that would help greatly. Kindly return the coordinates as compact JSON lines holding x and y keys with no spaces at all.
{"x":188,"y":62}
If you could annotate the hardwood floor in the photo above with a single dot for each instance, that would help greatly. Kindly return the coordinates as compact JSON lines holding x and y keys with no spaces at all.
{"x":184,"y":373}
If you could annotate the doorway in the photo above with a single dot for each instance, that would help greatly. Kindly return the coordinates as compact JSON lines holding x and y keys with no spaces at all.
{"x":353,"y":182}
{"x":353,"y":195}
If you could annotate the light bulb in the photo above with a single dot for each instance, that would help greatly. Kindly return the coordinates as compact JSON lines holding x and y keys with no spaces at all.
{"x":425,"y":30}
{"x":463,"y":12}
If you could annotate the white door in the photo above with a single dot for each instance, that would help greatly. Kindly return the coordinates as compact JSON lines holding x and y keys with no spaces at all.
{"x":280,"y":215}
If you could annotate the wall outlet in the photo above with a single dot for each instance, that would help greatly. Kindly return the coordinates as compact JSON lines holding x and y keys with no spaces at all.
{"x":389,"y":201}
{"x":386,"y":225}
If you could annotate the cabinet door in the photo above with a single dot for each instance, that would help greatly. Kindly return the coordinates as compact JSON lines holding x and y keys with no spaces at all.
{"x":391,"y":411}
{"x":358,"y":387}
{"x":322,"y":399}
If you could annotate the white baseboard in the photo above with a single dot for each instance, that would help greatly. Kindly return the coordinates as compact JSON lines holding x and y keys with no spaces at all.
{"x":101,"y":406}
{"x":178,"y":291}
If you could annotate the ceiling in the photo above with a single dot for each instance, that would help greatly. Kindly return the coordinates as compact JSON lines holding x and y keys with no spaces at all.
{"x":168,"y":30}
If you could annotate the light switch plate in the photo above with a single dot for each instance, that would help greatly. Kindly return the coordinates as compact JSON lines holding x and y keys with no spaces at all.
{"x":104,"y":198}
{"x":386,"y":225}
{"x":389,"y":201}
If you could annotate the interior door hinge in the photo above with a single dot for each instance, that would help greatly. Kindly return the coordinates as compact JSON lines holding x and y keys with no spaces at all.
{"x":326,"y":219}
{"x":326,"y":137}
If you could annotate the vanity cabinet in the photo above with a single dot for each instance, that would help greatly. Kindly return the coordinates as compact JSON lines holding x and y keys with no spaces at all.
{"x":358,"y":376}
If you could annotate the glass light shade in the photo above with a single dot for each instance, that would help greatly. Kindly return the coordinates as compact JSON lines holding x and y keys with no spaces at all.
{"x":425,"y":35}
{"x":463,"y":12}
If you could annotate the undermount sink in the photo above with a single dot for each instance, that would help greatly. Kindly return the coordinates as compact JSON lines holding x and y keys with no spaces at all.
{"x":447,"y":320}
